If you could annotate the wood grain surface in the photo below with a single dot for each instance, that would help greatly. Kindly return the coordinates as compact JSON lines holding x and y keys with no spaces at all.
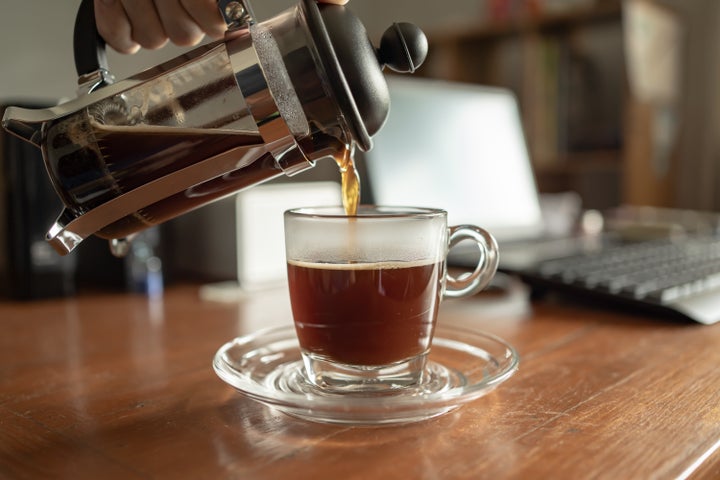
{"x":119,"y":386}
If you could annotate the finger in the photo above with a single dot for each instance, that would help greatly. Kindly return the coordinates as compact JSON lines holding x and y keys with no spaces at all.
{"x":336,"y":2}
{"x":114,"y":26}
{"x":147,"y":29}
{"x":207,"y":16}
{"x":178,"y":24}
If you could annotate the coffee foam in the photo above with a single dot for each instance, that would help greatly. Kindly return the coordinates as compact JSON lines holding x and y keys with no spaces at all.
{"x":384,"y":265}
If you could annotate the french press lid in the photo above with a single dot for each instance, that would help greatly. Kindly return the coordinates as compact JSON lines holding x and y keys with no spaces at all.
{"x":354,"y":66}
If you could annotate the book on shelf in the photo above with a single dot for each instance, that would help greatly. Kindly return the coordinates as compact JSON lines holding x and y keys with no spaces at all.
{"x":592,"y":82}
{"x":508,"y":10}
{"x":571,"y":89}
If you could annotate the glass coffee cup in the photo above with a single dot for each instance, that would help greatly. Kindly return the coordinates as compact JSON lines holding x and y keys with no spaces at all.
{"x":365,"y":290}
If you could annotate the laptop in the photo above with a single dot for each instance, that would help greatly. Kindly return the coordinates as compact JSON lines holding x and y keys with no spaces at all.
{"x":461,"y":147}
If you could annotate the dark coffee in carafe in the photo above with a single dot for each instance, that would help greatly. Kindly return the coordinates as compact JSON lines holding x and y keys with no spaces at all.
{"x":93,"y":163}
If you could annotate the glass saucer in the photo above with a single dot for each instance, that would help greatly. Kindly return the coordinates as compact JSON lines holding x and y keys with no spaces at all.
{"x":463,"y":365}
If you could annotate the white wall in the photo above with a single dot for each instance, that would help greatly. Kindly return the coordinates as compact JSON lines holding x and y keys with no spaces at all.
{"x":36,"y":58}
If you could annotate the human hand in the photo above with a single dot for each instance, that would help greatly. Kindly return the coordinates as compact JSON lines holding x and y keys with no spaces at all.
{"x":128,"y":25}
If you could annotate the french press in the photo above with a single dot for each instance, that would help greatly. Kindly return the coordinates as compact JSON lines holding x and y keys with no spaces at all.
{"x":269,"y":99}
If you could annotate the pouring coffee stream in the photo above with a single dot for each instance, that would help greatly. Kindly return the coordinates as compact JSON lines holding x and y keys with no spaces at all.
{"x":269,"y":99}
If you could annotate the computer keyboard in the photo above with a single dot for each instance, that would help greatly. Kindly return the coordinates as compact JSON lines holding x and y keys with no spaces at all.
{"x":680,"y":277}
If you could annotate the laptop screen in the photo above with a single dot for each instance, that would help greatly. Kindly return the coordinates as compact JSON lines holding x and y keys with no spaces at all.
{"x":459,"y":147}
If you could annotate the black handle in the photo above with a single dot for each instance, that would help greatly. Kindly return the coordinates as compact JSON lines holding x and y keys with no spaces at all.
{"x":88,"y":45}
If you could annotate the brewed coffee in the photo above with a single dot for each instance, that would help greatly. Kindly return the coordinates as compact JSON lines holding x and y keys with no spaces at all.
{"x":92,"y":163}
{"x":365,"y":314}
{"x":349,"y":179}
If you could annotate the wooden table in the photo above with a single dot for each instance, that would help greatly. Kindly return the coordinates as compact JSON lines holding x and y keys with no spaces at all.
{"x":119,"y":386}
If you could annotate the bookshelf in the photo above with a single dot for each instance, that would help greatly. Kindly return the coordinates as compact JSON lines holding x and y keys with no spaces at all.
{"x":567,"y":68}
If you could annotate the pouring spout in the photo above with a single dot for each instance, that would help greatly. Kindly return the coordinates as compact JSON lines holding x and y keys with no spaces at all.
{"x":19,"y":121}
{"x":62,"y":238}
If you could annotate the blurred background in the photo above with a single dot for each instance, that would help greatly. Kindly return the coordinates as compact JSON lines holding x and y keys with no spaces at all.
{"x":619,"y":99}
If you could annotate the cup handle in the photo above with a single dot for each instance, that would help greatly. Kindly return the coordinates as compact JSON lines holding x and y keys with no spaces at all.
{"x":470,"y":283}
